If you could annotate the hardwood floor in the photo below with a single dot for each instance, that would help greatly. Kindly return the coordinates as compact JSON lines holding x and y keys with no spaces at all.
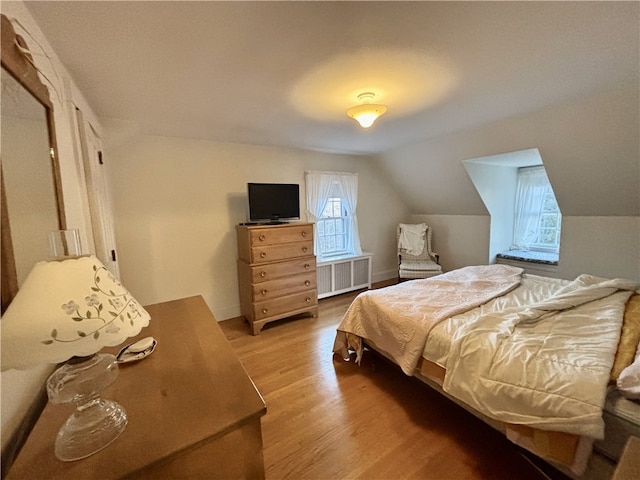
{"x":330,"y":419}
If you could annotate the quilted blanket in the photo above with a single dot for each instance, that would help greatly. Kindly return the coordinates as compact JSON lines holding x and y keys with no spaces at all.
{"x":546,"y":365}
{"x":398,"y":319}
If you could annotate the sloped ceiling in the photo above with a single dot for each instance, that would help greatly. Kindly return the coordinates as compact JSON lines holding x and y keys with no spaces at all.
{"x":460,"y":79}
{"x":284,"y":73}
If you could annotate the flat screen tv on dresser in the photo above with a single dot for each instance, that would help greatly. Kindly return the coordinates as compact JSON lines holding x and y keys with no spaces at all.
{"x":273,"y":202}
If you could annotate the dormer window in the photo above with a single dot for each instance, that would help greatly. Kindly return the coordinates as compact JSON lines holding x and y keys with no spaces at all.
{"x":537,"y":216}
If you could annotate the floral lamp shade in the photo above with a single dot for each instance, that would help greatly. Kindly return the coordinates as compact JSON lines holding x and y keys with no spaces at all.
{"x":65,"y":308}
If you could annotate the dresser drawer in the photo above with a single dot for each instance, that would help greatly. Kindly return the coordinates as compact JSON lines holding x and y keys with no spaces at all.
{"x":267,"y":272}
{"x":284,"y":234}
{"x":284,"y":251}
{"x":283,"y":286}
{"x":286,"y":304}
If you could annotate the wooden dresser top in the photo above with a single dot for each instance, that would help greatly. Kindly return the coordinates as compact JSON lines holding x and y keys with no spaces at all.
{"x":192,"y":389}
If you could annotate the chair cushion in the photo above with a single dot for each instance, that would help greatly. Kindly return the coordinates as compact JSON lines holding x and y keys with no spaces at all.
{"x":421,"y":265}
{"x":411,"y":274}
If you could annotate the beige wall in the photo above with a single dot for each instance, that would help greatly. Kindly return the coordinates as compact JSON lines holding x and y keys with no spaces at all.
{"x":460,"y":240}
{"x":590,"y":147}
{"x":177,"y":201}
{"x":602,"y":246}
{"x":591,"y":152}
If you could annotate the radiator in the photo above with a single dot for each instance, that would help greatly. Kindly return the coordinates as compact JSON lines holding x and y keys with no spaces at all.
{"x":343,"y":274}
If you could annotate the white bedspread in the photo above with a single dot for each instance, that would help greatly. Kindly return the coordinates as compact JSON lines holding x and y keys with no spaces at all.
{"x":398,"y":319}
{"x":546,"y":366}
{"x":532,"y":288}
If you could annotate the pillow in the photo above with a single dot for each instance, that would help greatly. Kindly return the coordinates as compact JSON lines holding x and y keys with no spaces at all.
{"x":629,"y":379}
{"x":629,"y":337}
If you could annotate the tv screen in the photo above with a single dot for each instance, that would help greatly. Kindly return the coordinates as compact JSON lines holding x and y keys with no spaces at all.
{"x":273,"y":202}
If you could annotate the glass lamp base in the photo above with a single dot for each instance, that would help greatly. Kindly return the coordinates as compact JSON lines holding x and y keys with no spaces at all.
{"x":96,"y":422}
{"x":89,"y":430}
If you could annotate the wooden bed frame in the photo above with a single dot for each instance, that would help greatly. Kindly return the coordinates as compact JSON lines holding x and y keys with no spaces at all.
{"x":557,"y":449}
{"x":575,"y":456}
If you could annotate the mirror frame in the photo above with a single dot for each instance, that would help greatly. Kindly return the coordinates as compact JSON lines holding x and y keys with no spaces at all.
{"x":13,"y":60}
{"x":19,"y":66}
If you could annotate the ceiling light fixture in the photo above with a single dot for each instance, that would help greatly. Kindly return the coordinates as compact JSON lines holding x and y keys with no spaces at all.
{"x":366,"y":113}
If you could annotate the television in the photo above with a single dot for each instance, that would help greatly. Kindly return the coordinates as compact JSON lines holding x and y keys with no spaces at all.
{"x":273,"y":202}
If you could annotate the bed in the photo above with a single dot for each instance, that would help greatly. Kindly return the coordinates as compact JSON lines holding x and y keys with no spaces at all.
{"x":532,"y":356}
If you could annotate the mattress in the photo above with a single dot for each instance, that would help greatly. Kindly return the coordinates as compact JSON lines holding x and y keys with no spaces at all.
{"x":622,"y":420}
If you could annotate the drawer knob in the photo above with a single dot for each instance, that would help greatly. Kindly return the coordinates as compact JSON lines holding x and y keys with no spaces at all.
{"x":308,"y":299}
{"x":263,"y":274}
{"x":307,"y":283}
{"x":264,"y":310}
{"x":263,"y":291}
{"x":304,"y":249}
{"x":263,"y":254}
{"x":304,"y":233}
{"x":307,"y":266}
{"x":261,"y":238}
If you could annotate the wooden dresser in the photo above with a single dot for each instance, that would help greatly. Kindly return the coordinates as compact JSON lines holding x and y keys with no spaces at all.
{"x":193,"y":411}
{"x":276,"y":272}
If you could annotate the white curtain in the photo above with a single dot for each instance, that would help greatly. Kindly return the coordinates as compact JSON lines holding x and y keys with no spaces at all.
{"x":349,"y":186}
{"x":319,"y":186}
{"x":532,"y":183}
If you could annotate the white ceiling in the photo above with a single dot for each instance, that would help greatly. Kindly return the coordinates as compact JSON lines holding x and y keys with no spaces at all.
{"x":284,"y":73}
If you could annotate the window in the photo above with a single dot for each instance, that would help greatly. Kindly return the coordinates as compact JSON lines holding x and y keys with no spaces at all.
{"x":537,"y":216}
{"x":331,"y":204}
{"x":525,"y":218}
{"x":332,"y":228}
{"x":548,"y":237}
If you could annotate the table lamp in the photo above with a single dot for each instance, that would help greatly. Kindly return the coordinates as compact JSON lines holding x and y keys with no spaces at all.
{"x":69,"y":309}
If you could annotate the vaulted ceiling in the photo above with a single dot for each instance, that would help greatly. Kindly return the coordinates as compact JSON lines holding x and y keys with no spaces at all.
{"x":284,"y":73}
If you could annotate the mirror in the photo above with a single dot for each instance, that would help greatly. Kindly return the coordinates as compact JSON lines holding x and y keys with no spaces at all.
{"x":31,"y":192}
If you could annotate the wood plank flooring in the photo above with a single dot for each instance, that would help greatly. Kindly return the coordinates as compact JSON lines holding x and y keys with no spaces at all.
{"x":329,"y":419}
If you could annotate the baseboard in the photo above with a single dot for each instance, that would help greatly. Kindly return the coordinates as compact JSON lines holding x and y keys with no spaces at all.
{"x":384,"y":276}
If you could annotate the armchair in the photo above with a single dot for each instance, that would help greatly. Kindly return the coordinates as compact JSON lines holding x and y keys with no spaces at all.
{"x":415,"y":258}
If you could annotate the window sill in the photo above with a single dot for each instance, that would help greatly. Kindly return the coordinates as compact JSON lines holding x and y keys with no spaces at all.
{"x":530,"y":266}
{"x":340,"y":257}
{"x":540,"y":258}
